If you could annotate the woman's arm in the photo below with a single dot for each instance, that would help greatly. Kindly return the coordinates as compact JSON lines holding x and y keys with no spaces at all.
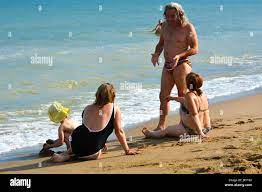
{"x":177,"y":99}
{"x":120,"y":134}
{"x":192,"y":108}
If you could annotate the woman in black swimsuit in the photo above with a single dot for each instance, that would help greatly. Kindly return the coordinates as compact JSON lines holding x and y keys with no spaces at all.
{"x":194,"y":112}
{"x":99,"y":120}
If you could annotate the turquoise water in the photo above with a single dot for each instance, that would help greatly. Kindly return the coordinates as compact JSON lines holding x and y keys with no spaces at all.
{"x":88,"y":46}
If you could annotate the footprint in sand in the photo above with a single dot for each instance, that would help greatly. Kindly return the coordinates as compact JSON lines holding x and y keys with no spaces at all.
{"x":180,"y":144}
{"x":250,"y":121}
{"x":215,"y":127}
{"x":224,"y":137}
{"x":243,"y":122}
{"x":240,"y":122}
{"x":240,"y":168}
{"x":216,"y":157}
{"x":256,"y":128}
{"x":253,"y":157}
{"x":257,"y":165}
{"x":230,"y":147}
{"x":198,"y":150}
{"x":203,"y":170}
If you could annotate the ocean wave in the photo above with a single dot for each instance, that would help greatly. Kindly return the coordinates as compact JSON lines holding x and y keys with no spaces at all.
{"x":232,"y":85}
{"x":68,"y":84}
{"x":64,"y":52}
{"x":11,"y":56}
{"x":29,"y":128}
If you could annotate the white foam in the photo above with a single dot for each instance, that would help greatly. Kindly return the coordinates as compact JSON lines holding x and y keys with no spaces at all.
{"x":31,"y":129}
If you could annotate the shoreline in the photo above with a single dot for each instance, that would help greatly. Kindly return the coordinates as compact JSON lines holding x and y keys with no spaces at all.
{"x":31,"y":152}
{"x":23,"y":153}
{"x":234,"y":141}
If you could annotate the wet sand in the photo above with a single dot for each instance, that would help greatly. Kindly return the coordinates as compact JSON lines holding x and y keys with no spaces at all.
{"x":234,"y":146}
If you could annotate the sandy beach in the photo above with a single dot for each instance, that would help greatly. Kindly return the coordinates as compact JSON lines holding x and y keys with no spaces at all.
{"x":234,"y":146}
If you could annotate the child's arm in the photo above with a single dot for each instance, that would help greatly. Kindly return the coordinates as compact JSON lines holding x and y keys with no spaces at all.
{"x":59,"y":141}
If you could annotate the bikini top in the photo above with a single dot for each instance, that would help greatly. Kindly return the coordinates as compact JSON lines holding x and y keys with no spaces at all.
{"x":184,"y":109}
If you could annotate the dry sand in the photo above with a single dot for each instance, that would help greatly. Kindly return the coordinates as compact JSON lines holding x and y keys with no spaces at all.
{"x":234,"y":146}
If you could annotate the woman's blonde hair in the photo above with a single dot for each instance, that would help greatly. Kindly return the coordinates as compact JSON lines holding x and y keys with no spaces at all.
{"x":105,"y":94}
{"x":180,"y":13}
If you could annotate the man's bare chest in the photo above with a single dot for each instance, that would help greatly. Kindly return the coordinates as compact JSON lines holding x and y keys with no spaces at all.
{"x":178,"y":36}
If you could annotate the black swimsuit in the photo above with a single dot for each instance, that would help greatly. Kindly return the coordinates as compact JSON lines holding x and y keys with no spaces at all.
{"x":84,"y":142}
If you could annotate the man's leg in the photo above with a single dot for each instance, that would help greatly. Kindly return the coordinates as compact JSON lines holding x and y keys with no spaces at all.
{"x":154,"y":134}
{"x":167,"y":84}
{"x":180,"y":73}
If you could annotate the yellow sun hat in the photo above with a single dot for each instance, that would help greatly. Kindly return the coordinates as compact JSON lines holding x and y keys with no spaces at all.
{"x":57,"y":112}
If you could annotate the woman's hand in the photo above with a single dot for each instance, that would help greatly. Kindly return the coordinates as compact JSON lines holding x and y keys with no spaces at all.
{"x":131,"y":152}
{"x":168,"y":98}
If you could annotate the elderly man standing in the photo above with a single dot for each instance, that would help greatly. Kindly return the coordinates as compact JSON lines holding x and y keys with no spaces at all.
{"x":178,"y":39}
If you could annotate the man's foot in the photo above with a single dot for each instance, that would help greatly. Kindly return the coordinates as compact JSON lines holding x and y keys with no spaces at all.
{"x":159,"y":128}
{"x":146,"y":132}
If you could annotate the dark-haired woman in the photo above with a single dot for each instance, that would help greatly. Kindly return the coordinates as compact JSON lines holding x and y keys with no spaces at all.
{"x":194,"y":113}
